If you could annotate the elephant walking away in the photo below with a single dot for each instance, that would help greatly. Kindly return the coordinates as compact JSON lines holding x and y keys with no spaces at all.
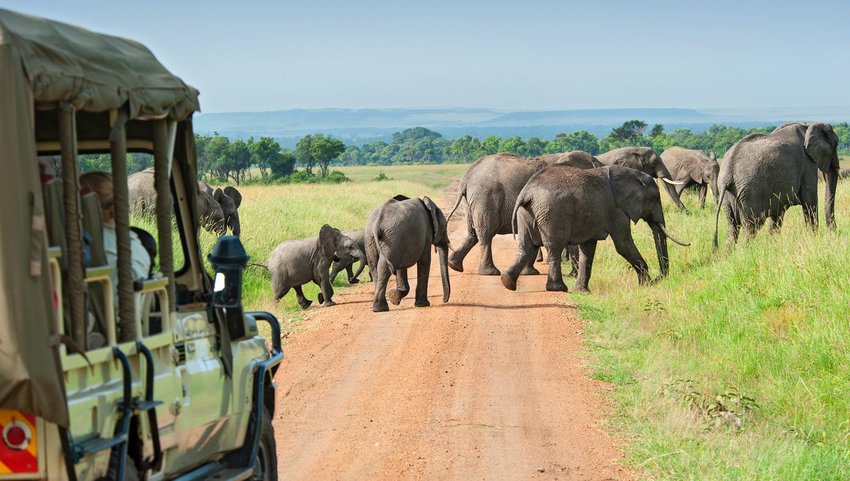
{"x":348,"y":265}
{"x":399,"y":233}
{"x":764,"y":174}
{"x":647,"y":161}
{"x":562,"y":206}
{"x":297,"y":262}
{"x":490,"y":188}
{"x":695,"y":169}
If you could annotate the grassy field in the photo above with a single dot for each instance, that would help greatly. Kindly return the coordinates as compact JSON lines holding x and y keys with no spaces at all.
{"x":734,"y":367}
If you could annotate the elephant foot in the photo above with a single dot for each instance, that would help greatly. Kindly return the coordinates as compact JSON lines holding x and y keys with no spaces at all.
{"x":422,"y":303}
{"x":329,"y":303}
{"x":488,"y":271}
{"x":530,"y":271}
{"x":380,"y":307}
{"x":305,"y":304}
{"x":556,"y":286}
{"x":581,"y":289}
{"x":455,"y":266}
{"x":394,"y":296}
{"x":354,"y":280}
{"x":509,"y":282}
{"x":321,"y":298}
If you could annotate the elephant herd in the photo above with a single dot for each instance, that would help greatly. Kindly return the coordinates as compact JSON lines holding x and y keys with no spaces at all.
{"x":564,"y":203}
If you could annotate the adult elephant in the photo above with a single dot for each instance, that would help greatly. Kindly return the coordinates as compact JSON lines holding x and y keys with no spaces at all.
{"x":562,"y":206}
{"x":399,"y":233}
{"x":229,"y":198}
{"x":647,"y":161}
{"x":694,"y":169}
{"x":490,"y":187}
{"x":296,"y":262}
{"x":765,"y":174}
{"x":211,"y":203}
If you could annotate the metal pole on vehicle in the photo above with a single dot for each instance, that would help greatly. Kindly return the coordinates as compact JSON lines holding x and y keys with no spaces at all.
{"x":118,"y":150}
{"x":164,"y":133}
{"x":76,"y":285}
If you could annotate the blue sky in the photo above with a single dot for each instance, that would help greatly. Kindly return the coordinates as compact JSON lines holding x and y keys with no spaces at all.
{"x":512,"y":55}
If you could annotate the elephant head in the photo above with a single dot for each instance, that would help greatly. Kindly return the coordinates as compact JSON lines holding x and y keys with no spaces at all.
{"x":637,"y":194}
{"x":709,"y":172}
{"x":821,"y":145}
{"x":440,"y":240}
{"x":579,"y":159}
{"x":230,"y":199}
{"x":647,"y":161}
{"x":210,"y":213}
{"x":335,"y":246}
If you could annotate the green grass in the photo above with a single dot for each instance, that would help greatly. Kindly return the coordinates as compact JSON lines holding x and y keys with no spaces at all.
{"x":737,"y":366}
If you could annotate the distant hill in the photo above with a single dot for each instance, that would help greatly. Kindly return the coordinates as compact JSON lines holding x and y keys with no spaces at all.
{"x":359,"y":126}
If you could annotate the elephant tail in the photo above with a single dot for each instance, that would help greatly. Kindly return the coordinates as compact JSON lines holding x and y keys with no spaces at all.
{"x":381,"y":253}
{"x":259,"y":265}
{"x":717,"y":212}
{"x":461,"y":193}
{"x":520,"y":202}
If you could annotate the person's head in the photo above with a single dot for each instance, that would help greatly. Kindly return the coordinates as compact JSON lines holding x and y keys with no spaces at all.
{"x":101,"y":184}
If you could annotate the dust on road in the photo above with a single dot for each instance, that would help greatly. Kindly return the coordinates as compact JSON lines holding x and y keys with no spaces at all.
{"x":489,"y":386}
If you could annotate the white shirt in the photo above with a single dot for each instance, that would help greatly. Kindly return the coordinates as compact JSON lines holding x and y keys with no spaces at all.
{"x":139,"y":257}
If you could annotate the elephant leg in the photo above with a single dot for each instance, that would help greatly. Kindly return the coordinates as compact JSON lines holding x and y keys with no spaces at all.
{"x":571,"y":253}
{"x":776,"y":223}
{"x":457,"y":255}
{"x":302,"y":301}
{"x":486,"y":267}
{"x":555,"y":278}
{"x":525,"y":253}
{"x":585,"y":265}
{"x":423,"y":268}
{"x":381,"y":279}
{"x":279,"y":295}
{"x":810,"y":207}
{"x":703,"y":190}
{"x":625,"y":246}
{"x":355,"y":277}
{"x":326,"y":292}
{"x":530,"y":270}
{"x":733,"y":222}
{"x":337,"y":267}
{"x":349,"y":269}
{"x":402,"y":287}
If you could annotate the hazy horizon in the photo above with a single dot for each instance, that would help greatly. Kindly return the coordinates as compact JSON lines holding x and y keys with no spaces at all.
{"x":535,"y":56}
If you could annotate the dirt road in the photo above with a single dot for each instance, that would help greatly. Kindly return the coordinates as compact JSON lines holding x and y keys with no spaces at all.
{"x":490,"y":386}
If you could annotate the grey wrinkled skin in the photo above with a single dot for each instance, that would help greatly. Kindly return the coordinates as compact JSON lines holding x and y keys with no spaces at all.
{"x":400,"y":233}
{"x":229,"y":199}
{"x":764,"y":174}
{"x":695,"y":169}
{"x":489,"y":188}
{"x":297,"y":262}
{"x":348,"y":265}
{"x":645,"y":160}
{"x":562,"y":206}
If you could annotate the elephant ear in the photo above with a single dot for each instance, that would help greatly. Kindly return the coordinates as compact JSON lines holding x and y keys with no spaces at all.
{"x":435,"y":223}
{"x":217,"y":193}
{"x":712,"y":157}
{"x":233,"y":194}
{"x":696,"y":173}
{"x":327,"y":241}
{"x":821,"y":143}
{"x":400,"y":197}
{"x":629,"y":190}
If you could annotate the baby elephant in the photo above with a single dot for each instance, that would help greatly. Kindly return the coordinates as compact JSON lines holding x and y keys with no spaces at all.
{"x":399,"y":234}
{"x":297,"y":262}
{"x":348,"y":265}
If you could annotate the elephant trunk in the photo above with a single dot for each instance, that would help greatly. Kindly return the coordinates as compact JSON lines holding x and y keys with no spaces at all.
{"x":444,"y":271}
{"x":669,"y":184}
{"x":660,"y":237}
{"x":831,"y":177}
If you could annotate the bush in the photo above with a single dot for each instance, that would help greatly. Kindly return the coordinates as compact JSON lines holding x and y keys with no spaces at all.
{"x":381,"y":177}
{"x":302,"y":177}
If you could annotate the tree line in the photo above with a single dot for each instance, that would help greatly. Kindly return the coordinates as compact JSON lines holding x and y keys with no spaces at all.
{"x":224,"y":160}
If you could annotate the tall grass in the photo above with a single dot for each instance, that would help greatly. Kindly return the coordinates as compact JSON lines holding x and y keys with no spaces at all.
{"x":737,"y":366}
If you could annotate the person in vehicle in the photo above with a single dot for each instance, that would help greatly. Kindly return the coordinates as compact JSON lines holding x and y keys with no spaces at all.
{"x":101,"y":184}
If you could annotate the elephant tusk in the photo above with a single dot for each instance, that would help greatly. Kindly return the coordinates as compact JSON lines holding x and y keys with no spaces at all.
{"x":664,"y":229}
{"x":673,"y":182}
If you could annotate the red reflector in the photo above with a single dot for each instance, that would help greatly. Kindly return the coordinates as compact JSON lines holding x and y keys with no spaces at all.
{"x":16,"y":436}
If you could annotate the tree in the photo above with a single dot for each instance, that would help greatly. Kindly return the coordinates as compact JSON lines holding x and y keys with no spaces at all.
{"x":304,"y":153}
{"x":490,"y":145}
{"x":513,"y":145}
{"x":216,"y":153}
{"x":263,"y":153}
{"x":324,"y":149}
{"x":657,"y":130}
{"x":282,"y":164}
{"x":237,"y":160}
{"x":579,"y":140}
{"x":630,"y":133}
{"x":533,"y":147}
{"x":464,"y":149}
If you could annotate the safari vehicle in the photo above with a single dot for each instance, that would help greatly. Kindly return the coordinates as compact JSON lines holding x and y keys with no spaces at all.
{"x":181,"y":387}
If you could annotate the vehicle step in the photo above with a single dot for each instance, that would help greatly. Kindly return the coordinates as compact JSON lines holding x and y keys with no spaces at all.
{"x":96,"y":445}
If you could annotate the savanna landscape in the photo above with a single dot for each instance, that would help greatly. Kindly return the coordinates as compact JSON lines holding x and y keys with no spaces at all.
{"x":730,"y":368}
